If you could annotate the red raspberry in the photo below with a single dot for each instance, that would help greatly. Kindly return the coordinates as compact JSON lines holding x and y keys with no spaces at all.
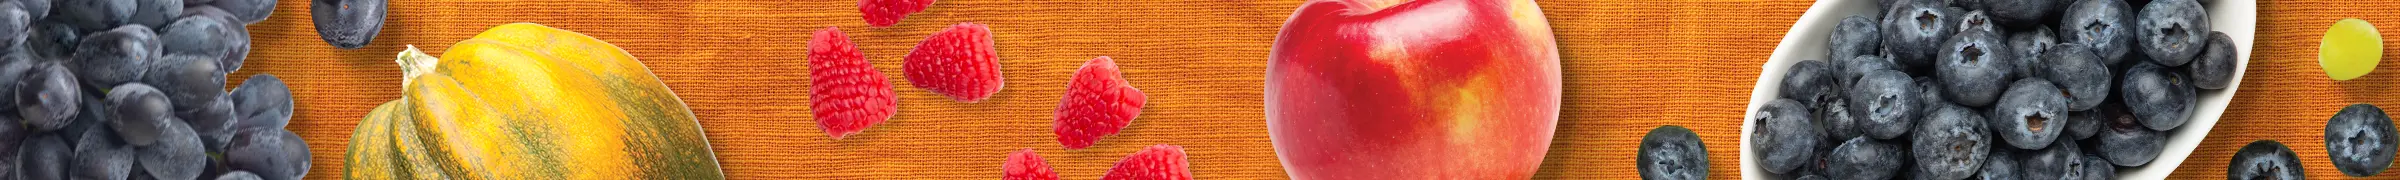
{"x":1158,"y":162}
{"x":845,"y":91}
{"x":958,"y":62}
{"x":1024,"y":165}
{"x":885,"y":13}
{"x":1098,"y":103}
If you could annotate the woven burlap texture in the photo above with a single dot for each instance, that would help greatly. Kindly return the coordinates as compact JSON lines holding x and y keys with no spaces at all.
{"x":1630,"y":66}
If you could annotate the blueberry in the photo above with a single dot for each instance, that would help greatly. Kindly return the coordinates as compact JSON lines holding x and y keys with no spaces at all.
{"x":2081,"y":73}
{"x":1810,"y":177}
{"x":1976,"y":21}
{"x":1816,"y":86}
{"x":272,"y":153}
{"x":2360,"y":140}
{"x":1912,"y":30}
{"x":94,"y":15}
{"x":1812,"y":82}
{"x":1816,"y":166}
{"x":1999,"y":165}
{"x":2060,"y":161}
{"x":1861,"y":65}
{"x":1784,"y":138}
{"x":1960,"y":15}
{"x":2127,"y":141}
{"x":2265,"y":159}
{"x":1672,"y":152}
{"x":2083,"y":124}
{"x":1950,"y":144}
{"x":2022,"y":13}
{"x":1836,"y":118}
{"x":176,"y":155}
{"x":350,"y":24}
{"x":1839,"y":117}
{"x":100,"y":155}
{"x":2095,"y":168}
{"x":1974,"y":67}
{"x":2157,"y":95}
{"x":48,"y":99}
{"x":2029,"y":47}
{"x":1932,"y":98}
{"x":1886,"y":103}
{"x":2173,"y":31}
{"x":264,"y":102}
{"x":2106,"y":26}
{"x":116,"y":56}
{"x":190,"y":81}
{"x":140,"y":113}
{"x":1863,"y":158}
{"x":1856,"y":36}
{"x":2025,"y":116}
{"x":2214,"y":68}
{"x":44,"y":156}
{"x":218,"y":40}
{"x":155,"y":13}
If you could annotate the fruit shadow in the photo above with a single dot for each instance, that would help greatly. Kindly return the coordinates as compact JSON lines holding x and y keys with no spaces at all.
{"x":2376,"y":86}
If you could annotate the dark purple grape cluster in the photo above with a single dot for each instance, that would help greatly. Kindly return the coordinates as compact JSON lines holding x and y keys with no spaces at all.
{"x":135,"y":89}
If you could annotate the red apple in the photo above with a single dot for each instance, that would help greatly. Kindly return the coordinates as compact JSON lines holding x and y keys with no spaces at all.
{"x":1422,"y":89}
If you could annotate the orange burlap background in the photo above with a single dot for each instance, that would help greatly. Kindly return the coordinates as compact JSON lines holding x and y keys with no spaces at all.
{"x":1630,"y":66}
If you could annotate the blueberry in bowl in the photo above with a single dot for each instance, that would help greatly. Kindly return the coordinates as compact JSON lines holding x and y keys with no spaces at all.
{"x":2030,"y":46}
{"x":2127,"y":141}
{"x":2080,"y":72}
{"x":1812,"y":83}
{"x":1974,"y":67}
{"x":2161,"y":97}
{"x":2105,"y":26}
{"x":1785,"y":136}
{"x":2088,"y":83}
{"x":2029,"y":116}
{"x":1885,"y":103}
{"x":1859,"y":37}
{"x":2060,"y":161}
{"x":1911,"y":27}
{"x":1999,"y":165}
{"x":2172,"y":31}
{"x":1863,"y":158}
{"x":1950,"y":144}
{"x":2214,"y":69}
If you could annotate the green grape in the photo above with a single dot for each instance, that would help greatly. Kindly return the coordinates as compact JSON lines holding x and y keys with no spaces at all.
{"x":2350,"y":49}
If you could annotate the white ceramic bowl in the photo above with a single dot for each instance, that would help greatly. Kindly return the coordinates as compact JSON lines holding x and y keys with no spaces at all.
{"x":1807,"y":41}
